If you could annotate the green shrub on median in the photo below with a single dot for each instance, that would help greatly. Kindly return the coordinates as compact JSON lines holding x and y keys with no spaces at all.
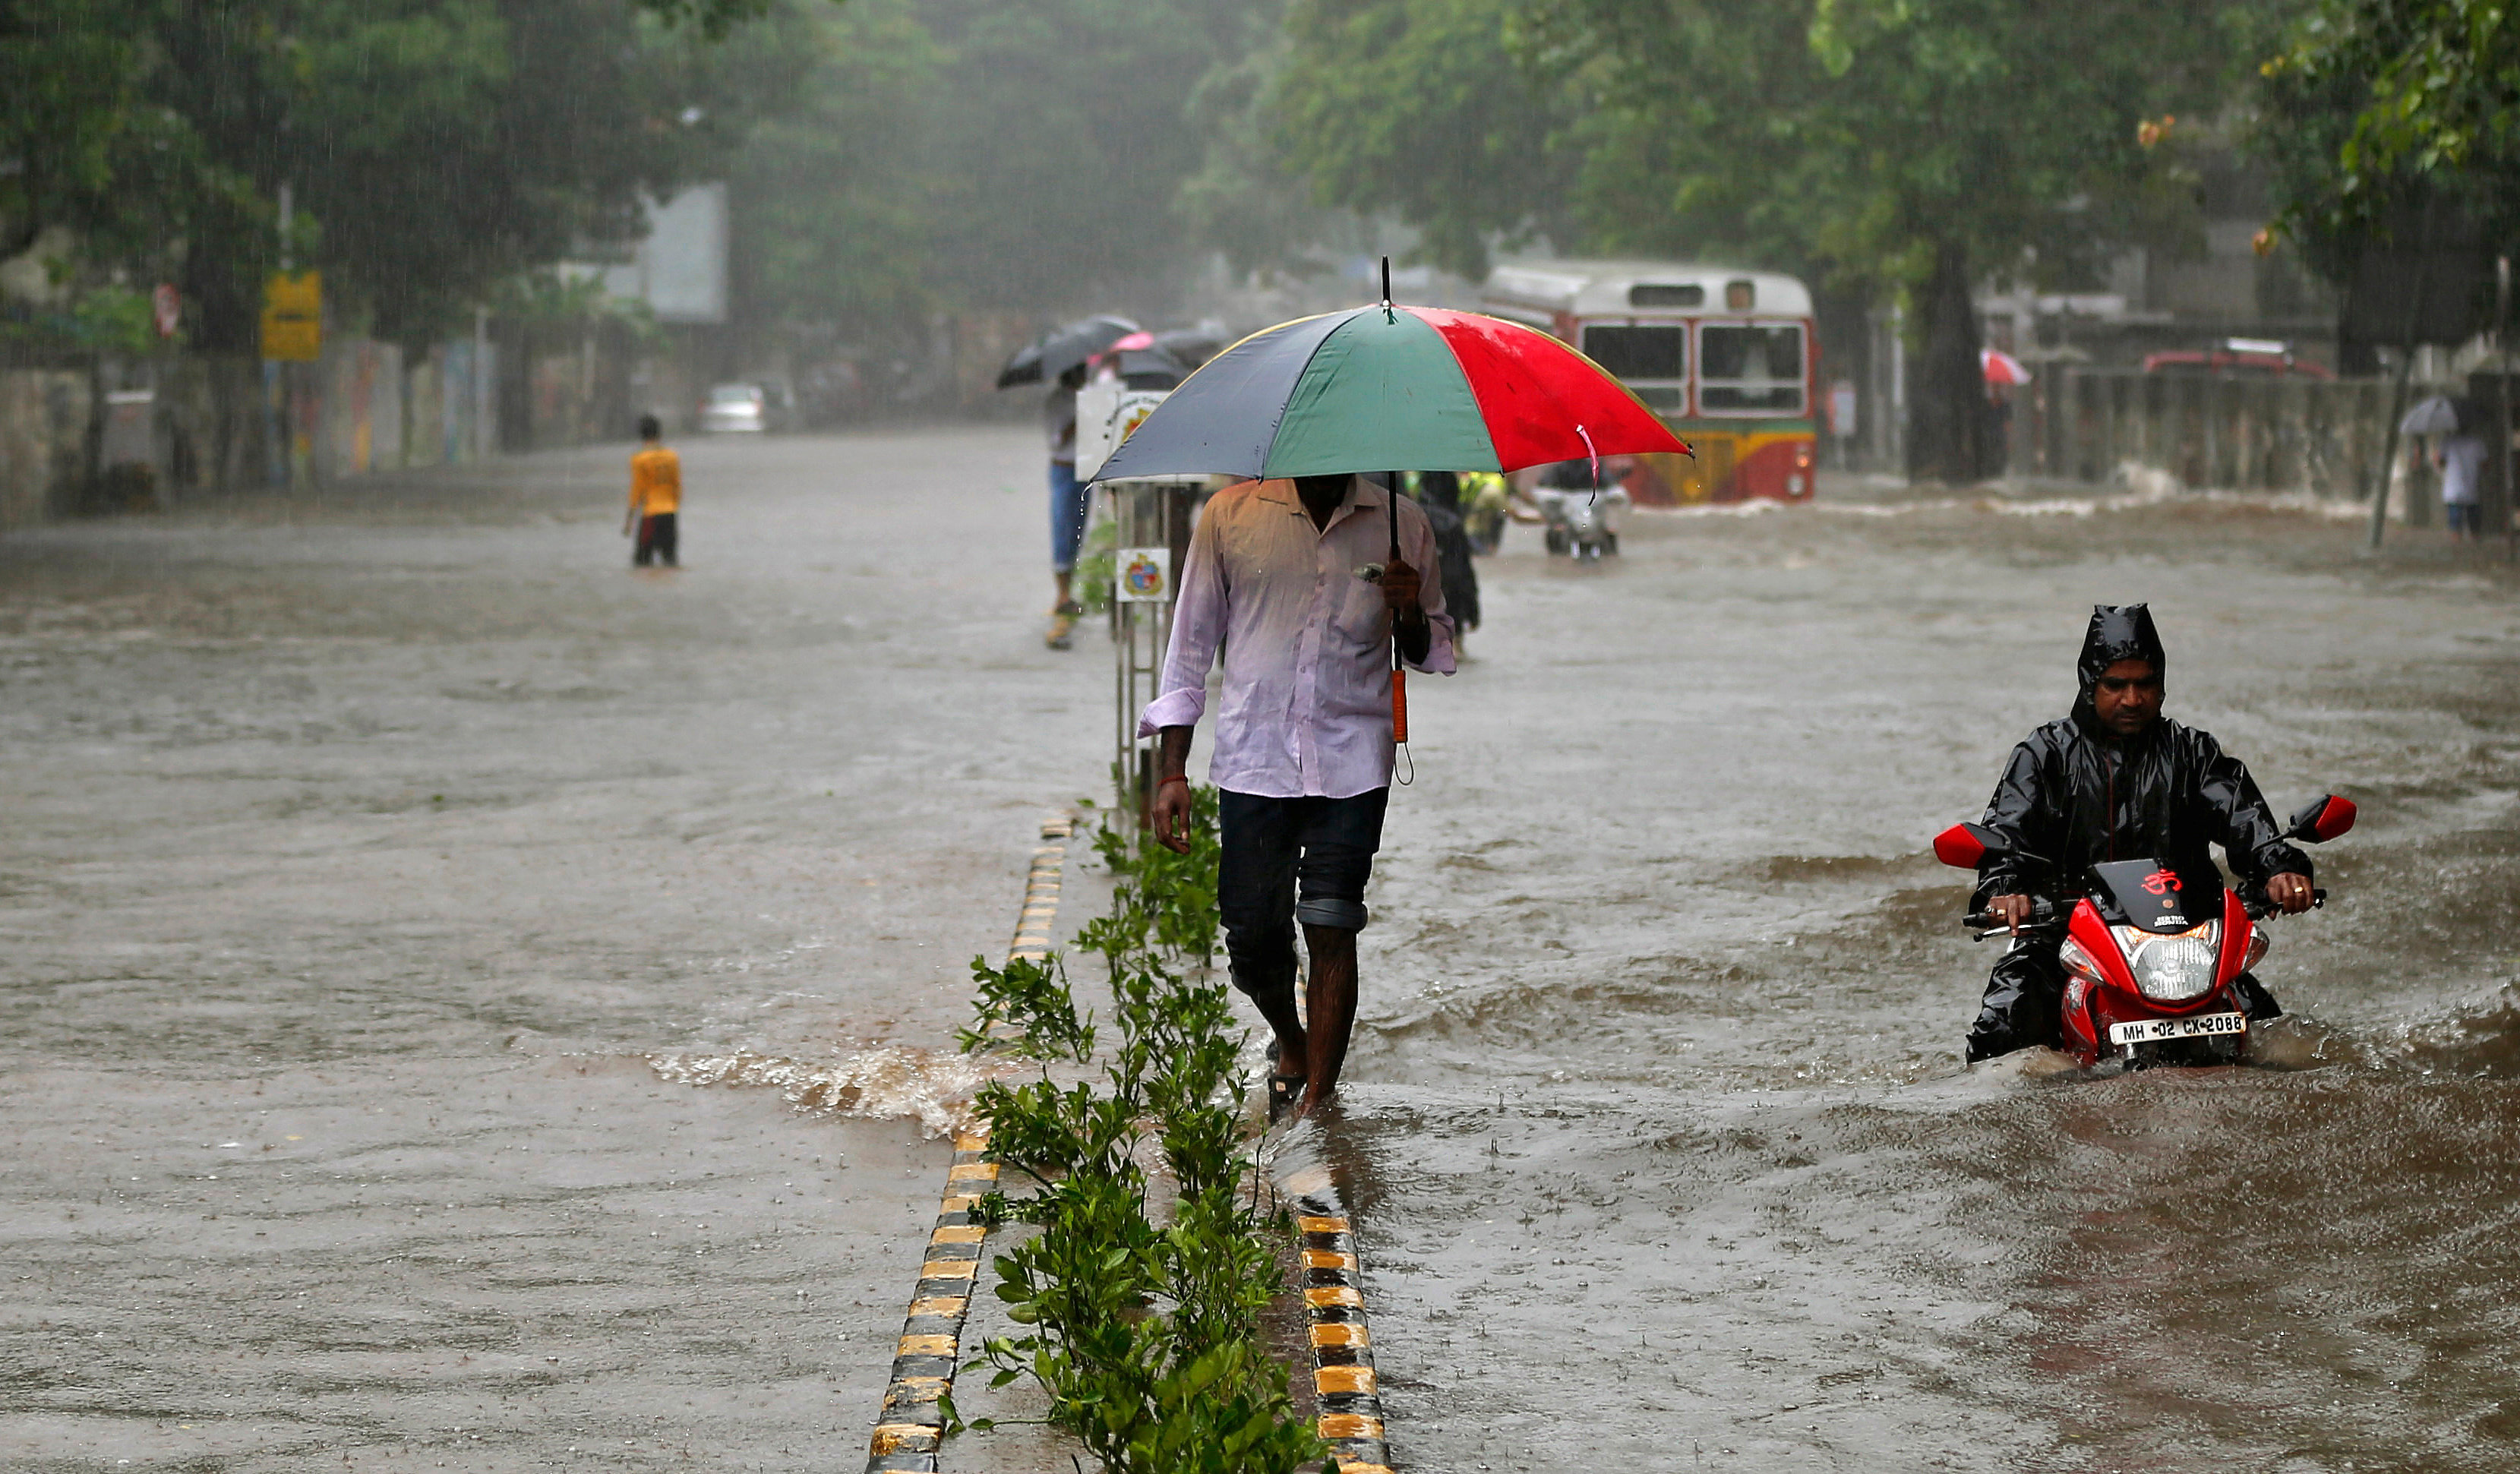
{"x":1146,"y":1338}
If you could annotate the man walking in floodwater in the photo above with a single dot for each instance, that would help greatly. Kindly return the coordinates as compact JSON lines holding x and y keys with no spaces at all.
{"x":2115,"y":780}
{"x":655,"y":497}
{"x":1288,"y":577}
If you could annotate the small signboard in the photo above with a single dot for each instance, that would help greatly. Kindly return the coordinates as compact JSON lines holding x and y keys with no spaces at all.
{"x":1143,"y":575}
{"x":1841,"y":409}
{"x":1106,"y":415}
{"x":292,"y":316}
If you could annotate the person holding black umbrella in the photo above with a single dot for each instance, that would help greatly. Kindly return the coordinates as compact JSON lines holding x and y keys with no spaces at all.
{"x":1062,"y":359}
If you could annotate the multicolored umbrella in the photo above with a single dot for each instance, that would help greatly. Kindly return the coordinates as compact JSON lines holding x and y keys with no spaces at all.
{"x":1388,"y":387}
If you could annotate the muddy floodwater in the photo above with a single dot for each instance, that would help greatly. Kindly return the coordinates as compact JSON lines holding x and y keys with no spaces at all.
{"x":381,"y":871}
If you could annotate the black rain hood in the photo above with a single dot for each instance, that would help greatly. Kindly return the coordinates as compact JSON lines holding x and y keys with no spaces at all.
{"x":2118,"y":632}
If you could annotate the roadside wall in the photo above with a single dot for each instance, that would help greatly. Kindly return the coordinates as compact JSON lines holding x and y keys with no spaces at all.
{"x":45,"y":418}
{"x":2319,"y":438}
{"x":116,"y":435}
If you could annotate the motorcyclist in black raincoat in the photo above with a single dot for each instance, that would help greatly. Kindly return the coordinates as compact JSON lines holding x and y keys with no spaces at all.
{"x":2116,"y":781}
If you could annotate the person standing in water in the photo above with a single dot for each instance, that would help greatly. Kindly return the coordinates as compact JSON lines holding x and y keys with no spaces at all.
{"x":2460,"y":460}
{"x":1071,"y":503}
{"x":655,"y":498}
{"x":1289,"y":580}
{"x":1439,"y":492}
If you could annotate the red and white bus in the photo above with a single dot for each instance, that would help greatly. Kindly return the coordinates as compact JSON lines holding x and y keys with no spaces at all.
{"x":1728,"y":357}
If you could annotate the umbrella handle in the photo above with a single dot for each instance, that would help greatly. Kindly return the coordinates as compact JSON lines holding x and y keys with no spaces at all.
{"x":1391,"y":516}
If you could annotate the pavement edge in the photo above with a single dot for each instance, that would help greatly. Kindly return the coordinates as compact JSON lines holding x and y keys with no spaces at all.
{"x":909,"y":1425}
{"x":1349,"y":1399}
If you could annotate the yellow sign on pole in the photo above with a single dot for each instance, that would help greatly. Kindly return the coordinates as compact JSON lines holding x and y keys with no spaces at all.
{"x":292,"y":316}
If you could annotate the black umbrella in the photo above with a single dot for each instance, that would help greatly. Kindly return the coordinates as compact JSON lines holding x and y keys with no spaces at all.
{"x":1150,"y":368}
{"x":1191,"y":346}
{"x":1063,"y":350}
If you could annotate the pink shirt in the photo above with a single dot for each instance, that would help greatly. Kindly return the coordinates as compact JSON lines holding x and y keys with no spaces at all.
{"x":1306,"y":706}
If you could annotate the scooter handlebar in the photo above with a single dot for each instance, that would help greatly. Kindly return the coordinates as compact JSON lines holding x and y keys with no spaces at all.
{"x":2253,"y":900}
{"x":1982,"y":925}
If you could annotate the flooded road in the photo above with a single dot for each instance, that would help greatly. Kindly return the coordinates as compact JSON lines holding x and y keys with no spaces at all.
{"x":1662,"y":1129}
{"x":361,"y":856}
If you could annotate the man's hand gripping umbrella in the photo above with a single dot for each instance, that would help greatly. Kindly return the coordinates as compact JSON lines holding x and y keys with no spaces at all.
{"x":1316,"y":633}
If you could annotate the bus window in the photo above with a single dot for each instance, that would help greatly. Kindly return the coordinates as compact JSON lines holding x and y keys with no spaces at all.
{"x":1640,"y":356}
{"x":1747,"y":369}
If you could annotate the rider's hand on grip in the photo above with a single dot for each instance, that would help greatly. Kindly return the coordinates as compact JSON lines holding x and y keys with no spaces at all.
{"x":2011,"y":911}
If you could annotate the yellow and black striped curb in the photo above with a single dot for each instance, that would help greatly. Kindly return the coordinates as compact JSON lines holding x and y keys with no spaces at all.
{"x":908,"y":1428}
{"x":1333,"y":1280}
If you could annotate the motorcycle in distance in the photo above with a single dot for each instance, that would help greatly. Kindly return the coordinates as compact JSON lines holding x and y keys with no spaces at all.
{"x":2149,"y":970}
{"x":1578,"y":516}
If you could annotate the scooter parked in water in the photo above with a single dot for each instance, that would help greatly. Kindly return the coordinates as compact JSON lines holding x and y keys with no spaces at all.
{"x":2149,"y":968}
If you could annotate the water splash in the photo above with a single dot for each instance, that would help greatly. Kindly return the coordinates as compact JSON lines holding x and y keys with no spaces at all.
{"x":885,"y":1081}
{"x":2480,"y":1039}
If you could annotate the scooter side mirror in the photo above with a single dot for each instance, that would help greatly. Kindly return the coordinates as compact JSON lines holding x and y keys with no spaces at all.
{"x":2321,"y":819}
{"x":1964,"y":845}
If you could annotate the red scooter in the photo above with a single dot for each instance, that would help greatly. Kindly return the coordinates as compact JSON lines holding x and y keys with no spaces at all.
{"x":2149,"y":968}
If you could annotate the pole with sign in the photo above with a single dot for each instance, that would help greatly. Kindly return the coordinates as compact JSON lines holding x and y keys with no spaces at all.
{"x":293,"y":316}
{"x":1151,"y":521}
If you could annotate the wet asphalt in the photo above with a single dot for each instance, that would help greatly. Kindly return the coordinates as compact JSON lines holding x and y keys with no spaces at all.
{"x":366,"y":854}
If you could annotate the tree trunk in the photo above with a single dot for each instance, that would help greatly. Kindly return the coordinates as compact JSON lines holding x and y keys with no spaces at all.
{"x":1951,"y":429}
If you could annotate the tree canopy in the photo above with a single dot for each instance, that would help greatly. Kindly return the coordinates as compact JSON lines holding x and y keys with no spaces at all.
{"x":1910,"y":146}
{"x":433,"y":147}
{"x":2373,"y":106}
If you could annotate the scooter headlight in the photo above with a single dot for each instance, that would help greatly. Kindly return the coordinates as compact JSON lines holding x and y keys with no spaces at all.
{"x":2173,"y":968}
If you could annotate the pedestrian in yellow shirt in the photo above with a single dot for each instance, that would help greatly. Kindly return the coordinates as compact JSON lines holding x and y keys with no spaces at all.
{"x":656,"y":496}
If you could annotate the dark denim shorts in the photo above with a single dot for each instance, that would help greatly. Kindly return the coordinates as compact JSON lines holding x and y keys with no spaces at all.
{"x":1290,"y":860}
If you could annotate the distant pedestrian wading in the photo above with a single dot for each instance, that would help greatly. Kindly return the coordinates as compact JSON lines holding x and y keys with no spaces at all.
{"x":655,"y":498}
{"x":1071,"y":503}
{"x":1294,"y":580}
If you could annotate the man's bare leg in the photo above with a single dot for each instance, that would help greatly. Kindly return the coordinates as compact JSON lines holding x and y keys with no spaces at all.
{"x":1291,"y":1056}
{"x":1330,"y":1009}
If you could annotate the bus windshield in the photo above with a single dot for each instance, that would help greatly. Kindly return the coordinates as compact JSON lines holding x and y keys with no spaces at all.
{"x":1652,"y":359}
{"x":1750,"y":368}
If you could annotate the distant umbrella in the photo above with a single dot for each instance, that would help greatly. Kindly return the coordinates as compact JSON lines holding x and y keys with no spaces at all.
{"x":1143,"y":363}
{"x":1063,"y":350}
{"x":1193,"y":346}
{"x":2000,"y":367}
{"x":2433,"y":416}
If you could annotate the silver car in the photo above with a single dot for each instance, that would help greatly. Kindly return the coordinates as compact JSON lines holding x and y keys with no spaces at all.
{"x":740,"y":409}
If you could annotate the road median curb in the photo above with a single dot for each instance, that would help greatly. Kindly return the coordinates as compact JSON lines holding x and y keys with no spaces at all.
{"x":909,"y":1425}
